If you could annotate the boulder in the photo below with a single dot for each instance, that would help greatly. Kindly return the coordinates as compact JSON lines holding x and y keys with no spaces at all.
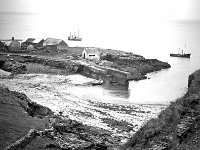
{"x":35,"y":109}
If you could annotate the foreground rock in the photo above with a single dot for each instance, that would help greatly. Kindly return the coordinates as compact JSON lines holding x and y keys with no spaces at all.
{"x":70,"y":134}
{"x":177,"y":127}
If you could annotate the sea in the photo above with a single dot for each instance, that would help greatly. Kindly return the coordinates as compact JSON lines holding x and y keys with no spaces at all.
{"x":154,"y":39}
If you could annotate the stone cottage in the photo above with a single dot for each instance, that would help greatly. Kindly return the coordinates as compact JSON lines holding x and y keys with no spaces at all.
{"x":55,"y":44}
{"x":12,"y":45}
{"x":36,"y":43}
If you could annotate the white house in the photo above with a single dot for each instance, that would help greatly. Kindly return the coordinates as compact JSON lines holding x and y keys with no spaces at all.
{"x":91,"y":53}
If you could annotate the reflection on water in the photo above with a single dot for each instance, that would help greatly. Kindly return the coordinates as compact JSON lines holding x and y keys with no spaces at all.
{"x":105,"y":93}
{"x":117,"y":90}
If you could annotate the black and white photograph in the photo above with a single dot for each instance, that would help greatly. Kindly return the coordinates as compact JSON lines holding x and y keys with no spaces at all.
{"x":99,"y":74}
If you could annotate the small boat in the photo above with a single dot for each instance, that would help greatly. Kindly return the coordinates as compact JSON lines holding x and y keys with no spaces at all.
{"x":182,"y":54}
{"x":74,"y":37}
{"x":97,"y":82}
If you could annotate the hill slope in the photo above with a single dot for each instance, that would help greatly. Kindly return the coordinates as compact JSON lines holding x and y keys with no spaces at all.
{"x":177,"y":127}
{"x":16,"y":117}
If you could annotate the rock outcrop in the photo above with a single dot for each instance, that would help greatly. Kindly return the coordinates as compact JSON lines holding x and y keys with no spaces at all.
{"x":13,"y":67}
{"x":32,"y":108}
{"x":194,"y":83}
{"x":118,"y":69}
{"x":177,"y":127}
{"x":137,"y":66}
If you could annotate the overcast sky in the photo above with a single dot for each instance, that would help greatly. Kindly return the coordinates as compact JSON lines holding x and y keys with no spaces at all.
{"x":107,"y":10}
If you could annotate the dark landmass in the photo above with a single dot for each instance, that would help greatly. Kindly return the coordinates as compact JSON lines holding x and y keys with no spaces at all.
{"x":114,"y":66}
{"x":177,"y":127}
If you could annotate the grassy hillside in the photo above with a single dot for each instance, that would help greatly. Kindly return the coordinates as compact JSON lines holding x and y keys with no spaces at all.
{"x":15,"y":119}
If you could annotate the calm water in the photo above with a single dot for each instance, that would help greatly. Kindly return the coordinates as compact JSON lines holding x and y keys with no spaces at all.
{"x":153,"y":39}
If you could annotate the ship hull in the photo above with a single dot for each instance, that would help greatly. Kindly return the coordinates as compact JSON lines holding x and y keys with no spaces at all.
{"x":180,"y":55}
{"x":77,"y":39}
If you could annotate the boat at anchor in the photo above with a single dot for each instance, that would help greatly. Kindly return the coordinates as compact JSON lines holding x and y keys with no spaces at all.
{"x":74,"y":37}
{"x":182,"y":54}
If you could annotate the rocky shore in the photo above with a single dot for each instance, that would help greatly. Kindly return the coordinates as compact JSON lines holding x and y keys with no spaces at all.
{"x":54,"y":118}
{"x":118,"y":122}
{"x":59,"y":132}
{"x":29,"y":125}
{"x":177,"y":127}
{"x":73,"y":124}
{"x":113,"y":67}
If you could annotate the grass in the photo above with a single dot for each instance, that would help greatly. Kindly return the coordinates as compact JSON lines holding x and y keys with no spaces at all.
{"x":14,"y":121}
{"x":41,"y":69}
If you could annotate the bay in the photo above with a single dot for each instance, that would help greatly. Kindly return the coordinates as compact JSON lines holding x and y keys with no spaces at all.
{"x":152,"y":39}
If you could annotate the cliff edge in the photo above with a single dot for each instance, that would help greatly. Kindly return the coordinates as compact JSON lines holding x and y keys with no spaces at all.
{"x":177,"y":127}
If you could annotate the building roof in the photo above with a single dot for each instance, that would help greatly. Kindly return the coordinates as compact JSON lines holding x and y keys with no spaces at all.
{"x":30,"y":40}
{"x":7,"y":43}
{"x":92,"y":50}
{"x":33,"y":40}
{"x":52,"y":41}
{"x":37,"y":40}
{"x":1,"y":44}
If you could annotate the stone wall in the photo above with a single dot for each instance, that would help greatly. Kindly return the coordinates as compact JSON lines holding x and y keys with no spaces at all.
{"x":21,"y":143}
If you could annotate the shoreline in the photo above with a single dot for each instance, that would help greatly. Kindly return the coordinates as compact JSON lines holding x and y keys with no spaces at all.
{"x":176,"y":127}
{"x":190,"y":100}
{"x":117,"y":128}
{"x":50,"y":90}
{"x":114,"y":66}
{"x":43,"y":89}
{"x":98,"y":115}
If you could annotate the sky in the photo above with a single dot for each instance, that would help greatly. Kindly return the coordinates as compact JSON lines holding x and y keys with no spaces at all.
{"x":106,"y":10}
{"x":104,"y":23}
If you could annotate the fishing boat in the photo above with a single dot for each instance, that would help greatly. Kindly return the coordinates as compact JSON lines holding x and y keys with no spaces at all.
{"x":182,"y":54}
{"x":74,"y":37}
